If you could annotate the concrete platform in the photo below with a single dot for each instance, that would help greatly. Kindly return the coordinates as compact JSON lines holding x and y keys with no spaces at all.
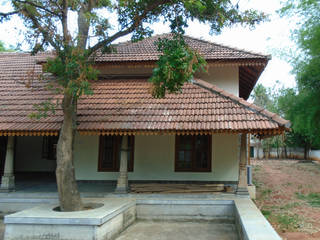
{"x":230,"y":209}
{"x":146,"y":230}
{"x":43,"y":222}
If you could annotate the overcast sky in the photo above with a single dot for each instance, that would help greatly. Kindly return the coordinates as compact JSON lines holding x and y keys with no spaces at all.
{"x":271,"y":37}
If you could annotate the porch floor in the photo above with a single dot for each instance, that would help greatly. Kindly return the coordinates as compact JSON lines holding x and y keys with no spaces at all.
{"x":42,"y":185}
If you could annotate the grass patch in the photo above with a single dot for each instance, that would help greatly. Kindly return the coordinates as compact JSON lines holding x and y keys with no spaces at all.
{"x":288,"y":222}
{"x":289,"y":206}
{"x":256,"y":168}
{"x":256,"y":183}
{"x":266,"y":192}
{"x":312,"y":198}
{"x":266,"y":213}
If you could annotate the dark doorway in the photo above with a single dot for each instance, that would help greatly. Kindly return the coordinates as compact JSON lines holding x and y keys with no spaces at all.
{"x":3,"y":150}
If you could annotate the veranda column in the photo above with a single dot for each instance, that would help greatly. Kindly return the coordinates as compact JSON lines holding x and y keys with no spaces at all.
{"x":7,"y":180}
{"x":242,"y":184}
{"x":122,"y":184}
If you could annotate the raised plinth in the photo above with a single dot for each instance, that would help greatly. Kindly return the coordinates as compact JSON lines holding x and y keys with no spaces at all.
{"x":43,"y":222}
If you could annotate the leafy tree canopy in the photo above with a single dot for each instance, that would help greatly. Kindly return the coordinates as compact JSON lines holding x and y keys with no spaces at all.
{"x":4,"y":49}
{"x":305,"y":110}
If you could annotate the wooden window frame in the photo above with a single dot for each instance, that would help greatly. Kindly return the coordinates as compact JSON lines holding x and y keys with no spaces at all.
{"x":193,"y":155}
{"x":116,"y":151}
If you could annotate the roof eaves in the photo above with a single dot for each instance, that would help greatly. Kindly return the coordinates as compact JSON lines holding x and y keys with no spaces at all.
{"x":271,"y":116}
{"x":267,"y":56}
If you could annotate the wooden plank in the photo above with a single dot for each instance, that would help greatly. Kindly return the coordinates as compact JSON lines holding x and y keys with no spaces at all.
{"x":176,"y":188}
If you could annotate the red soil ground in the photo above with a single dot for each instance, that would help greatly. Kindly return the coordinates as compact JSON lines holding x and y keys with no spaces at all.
{"x":280,"y":185}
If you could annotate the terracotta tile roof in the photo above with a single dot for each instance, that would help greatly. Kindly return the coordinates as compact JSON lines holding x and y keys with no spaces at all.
{"x":146,"y":50}
{"x":127,"y":105}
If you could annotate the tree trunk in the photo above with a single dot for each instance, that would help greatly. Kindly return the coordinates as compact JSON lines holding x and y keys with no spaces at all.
{"x":306,"y":151}
{"x":285,"y":152}
{"x":69,"y":196}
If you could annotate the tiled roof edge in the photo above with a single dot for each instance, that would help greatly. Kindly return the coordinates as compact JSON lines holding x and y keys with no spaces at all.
{"x":267,"y":56}
{"x":272,"y":116}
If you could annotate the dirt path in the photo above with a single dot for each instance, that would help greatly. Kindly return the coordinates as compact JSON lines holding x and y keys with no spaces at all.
{"x":288,"y":194}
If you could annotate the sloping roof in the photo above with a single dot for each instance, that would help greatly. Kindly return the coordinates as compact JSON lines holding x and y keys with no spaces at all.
{"x":146,"y":50}
{"x":126,"y":106}
{"x":251,"y":64}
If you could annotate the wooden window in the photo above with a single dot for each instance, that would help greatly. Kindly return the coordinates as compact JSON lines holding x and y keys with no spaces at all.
{"x":110,"y":153}
{"x":49,"y":147}
{"x":193,"y":153}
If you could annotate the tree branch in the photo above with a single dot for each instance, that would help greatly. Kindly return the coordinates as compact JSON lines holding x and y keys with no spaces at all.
{"x":64,"y":21}
{"x":44,"y":32}
{"x":37,"y":6}
{"x":135,"y":23}
{"x":5,"y":15}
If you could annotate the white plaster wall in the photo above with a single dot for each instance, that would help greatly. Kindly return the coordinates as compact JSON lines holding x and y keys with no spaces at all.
{"x":258,"y":152}
{"x":154,"y":159}
{"x":225,"y":77}
{"x":28,"y":156}
{"x":315,"y":154}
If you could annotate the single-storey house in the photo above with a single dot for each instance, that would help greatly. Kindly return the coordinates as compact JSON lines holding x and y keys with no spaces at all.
{"x":198,"y":135}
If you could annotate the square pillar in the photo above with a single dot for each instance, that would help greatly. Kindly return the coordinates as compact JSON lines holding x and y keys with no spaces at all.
{"x":7,"y":180}
{"x":242,"y":188}
{"x":122,"y":183}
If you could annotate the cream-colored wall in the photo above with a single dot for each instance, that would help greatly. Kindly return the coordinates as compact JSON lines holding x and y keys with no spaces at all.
{"x":28,"y":152}
{"x":154,"y":160}
{"x":225,"y":77}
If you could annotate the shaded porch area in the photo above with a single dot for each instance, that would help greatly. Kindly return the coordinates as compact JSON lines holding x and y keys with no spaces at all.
{"x":45,"y":184}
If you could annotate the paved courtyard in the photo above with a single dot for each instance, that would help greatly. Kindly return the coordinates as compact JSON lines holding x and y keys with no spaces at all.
{"x":146,"y":230}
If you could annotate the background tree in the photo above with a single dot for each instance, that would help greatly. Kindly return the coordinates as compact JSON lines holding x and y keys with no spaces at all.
{"x":304,"y":111}
{"x":3,"y":48}
{"x":47,"y":23}
{"x":267,"y":99}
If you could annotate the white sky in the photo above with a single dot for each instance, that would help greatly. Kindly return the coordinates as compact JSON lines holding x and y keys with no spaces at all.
{"x":271,"y":37}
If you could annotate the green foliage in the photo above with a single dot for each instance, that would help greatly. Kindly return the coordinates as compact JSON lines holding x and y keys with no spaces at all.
{"x":263,"y":97}
{"x":288,"y":222}
{"x":176,"y":66}
{"x":266,"y":213}
{"x":289,"y":206}
{"x":312,"y":198}
{"x":72,"y":71}
{"x":266,"y":192}
{"x":43,"y":109}
{"x":304,"y":111}
{"x":4,"y":49}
